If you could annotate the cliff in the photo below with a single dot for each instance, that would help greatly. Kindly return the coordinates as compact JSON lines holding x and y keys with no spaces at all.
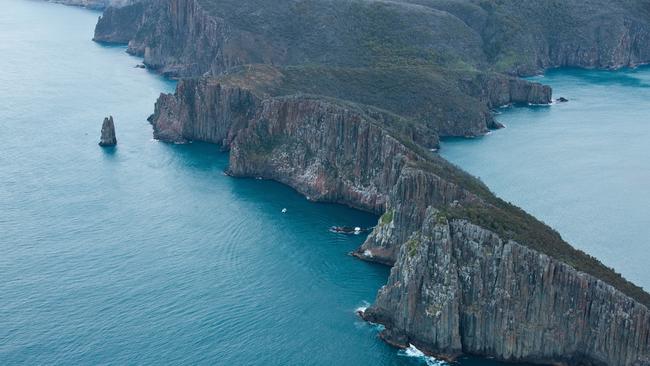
{"x":441,"y":101}
{"x":327,"y":150}
{"x":456,"y":285}
{"x":349,"y":115}
{"x":194,"y":37}
{"x":202,"y":110}
{"x":567,"y":308}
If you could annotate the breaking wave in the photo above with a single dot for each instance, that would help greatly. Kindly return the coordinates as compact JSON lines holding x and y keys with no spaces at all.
{"x":412,"y":351}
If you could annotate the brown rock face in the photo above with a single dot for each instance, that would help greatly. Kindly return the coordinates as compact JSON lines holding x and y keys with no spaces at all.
{"x":458,"y":288}
{"x":327,"y":150}
{"x":204,"y":111}
{"x":108,"y":133}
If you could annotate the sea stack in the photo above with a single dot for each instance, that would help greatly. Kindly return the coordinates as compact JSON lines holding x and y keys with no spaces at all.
{"x":108,"y":133}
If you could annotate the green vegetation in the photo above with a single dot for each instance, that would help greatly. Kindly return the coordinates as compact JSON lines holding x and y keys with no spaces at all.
{"x":431,"y":96}
{"x":441,"y":218}
{"x":512,"y":223}
{"x":412,"y":246}
{"x":387,"y":217}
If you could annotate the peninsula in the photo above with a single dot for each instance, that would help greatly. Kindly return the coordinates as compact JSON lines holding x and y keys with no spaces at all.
{"x":345,"y":101}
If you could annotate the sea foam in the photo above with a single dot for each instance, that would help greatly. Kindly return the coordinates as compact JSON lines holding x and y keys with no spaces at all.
{"x":412,"y":351}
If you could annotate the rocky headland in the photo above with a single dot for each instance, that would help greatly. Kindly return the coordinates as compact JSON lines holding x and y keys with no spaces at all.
{"x":344,"y":101}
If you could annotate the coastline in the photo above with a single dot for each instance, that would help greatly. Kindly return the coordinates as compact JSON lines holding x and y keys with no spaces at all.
{"x":306,"y":186}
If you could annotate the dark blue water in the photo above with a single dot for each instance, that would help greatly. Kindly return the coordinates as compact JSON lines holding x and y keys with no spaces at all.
{"x":583,"y":167}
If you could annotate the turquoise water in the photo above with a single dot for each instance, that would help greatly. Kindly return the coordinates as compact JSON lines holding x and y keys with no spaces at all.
{"x":583,"y":167}
{"x":147,"y":253}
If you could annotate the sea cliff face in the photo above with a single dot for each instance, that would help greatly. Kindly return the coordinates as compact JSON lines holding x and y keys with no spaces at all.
{"x":438,"y":108}
{"x":204,"y":111}
{"x":326,"y":150}
{"x":456,"y":285}
{"x":194,"y":37}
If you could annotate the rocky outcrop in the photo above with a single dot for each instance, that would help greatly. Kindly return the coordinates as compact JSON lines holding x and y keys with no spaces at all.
{"x":458,"y":288}
{"x":327,"y":150}
{"x":108,"y":133}
{"x":414,"y":190}
{"x":455,"y":287}
{"x":119,"y":25}
{"x":202,"y":110}
{"x":423,"y":95}
{"x":498,"y":91}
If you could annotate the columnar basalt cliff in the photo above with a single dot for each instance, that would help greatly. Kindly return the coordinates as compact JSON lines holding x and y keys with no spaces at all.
{"x":442,"y":106}
{"x":456,"y":285}
{"x":327,"y":150}
{"x":204,"y":111}
{"x":478,"y":286}
{"x":193,"y":37}
{"x":351,"y":116}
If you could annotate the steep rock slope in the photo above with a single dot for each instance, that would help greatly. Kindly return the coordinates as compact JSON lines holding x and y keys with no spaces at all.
{"x":326,"y":149}
{"x":521,"y":37}
{"x":202,"y":110}
{"x":456,"y":105}
{"x":193,"y":37}
{"x":554,"y":304}
{"x":456,"y":285}
{"x":528,"y":36}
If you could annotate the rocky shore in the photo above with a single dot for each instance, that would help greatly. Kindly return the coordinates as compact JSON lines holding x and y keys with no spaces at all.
{"x":351,"y":116}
